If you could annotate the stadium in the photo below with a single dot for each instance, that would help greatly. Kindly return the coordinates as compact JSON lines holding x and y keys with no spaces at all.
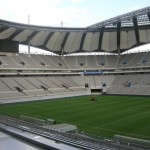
{"x":88,"y":94}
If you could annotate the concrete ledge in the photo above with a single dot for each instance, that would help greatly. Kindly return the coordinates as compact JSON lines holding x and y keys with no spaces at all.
{"x":44,"y":97}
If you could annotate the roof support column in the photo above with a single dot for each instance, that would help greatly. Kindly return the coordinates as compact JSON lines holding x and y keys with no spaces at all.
{"x":136,"y":30}
{"x":118,"y":36}
{"x":100,"y":38}
{"x":29,"y":38}
{"x":29,"y":41}
{"x":148,"y":14}
{"x":29,"y":49}
{"x":118,"y":51}
{"x":63,"y":43}
{"x":82,"y":41}
{"x":62,"y":51}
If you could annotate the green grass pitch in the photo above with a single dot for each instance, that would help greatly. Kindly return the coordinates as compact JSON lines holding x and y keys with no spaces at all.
{"x":109,"y":115}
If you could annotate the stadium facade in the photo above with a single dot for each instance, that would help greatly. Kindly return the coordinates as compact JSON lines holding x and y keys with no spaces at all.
{"x":27,"y":77}
{"x":39,"y":76}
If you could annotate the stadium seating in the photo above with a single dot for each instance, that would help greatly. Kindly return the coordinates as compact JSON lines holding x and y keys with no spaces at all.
{"x":75,"y":62}
{"x":135,"y":84}
{"x":37,"y":86}
{"x":25,"y":81}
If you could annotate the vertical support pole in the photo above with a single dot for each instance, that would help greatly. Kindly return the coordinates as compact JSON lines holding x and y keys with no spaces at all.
{"x":29,"y":41}
{"x":118,"y":36}
{"x":28,"y":18}
{"x":118,"y":51}
{"x":62,"y":52}
{"x":29,"y":49}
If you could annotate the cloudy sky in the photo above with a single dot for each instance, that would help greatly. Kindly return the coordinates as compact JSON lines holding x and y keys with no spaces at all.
{"x":73,"y":13}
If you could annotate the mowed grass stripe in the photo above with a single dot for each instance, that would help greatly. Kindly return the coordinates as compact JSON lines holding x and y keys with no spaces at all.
{"x":108,"y":116}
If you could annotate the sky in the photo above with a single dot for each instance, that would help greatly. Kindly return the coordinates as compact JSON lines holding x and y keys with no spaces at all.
{"x":73,"y":13}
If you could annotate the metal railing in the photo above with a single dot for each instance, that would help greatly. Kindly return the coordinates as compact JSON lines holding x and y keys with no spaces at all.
{"x":74,"y":139}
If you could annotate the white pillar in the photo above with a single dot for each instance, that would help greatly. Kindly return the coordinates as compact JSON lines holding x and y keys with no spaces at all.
{"x":29,"y":49}
{"x":28,"y":18}
{"x":29,"y":41}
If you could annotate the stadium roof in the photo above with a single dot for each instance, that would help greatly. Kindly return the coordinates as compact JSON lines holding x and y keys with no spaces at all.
{"x":114,"y":35}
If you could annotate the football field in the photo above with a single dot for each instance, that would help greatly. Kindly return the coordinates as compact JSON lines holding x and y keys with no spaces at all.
{"x":108,"y":115}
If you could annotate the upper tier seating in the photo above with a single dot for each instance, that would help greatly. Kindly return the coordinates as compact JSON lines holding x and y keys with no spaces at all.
{"x":75,"y":62}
